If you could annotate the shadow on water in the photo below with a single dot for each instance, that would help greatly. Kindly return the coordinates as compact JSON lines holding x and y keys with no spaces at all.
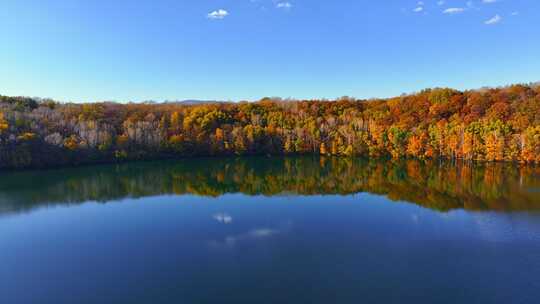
{"x":435,"y":185}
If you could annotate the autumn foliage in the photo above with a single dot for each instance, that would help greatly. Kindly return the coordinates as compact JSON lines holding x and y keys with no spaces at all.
{"x":498,"y":124}
{"x":434,"y":184}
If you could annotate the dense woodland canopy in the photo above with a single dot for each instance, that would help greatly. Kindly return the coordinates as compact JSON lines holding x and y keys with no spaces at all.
{"x":498,"y":124}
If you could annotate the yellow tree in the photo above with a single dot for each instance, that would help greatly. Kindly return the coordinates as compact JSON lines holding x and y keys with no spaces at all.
{"x":176,"y":142}
{"x":494,"y":146}
{"x":71,"y":143}
{"x":219,"y":138}
{"x":4,"y":125}
{"x":512,"y":149}
{"x":531,"y":149}
{"x":467,"y":147}
{"x":175,"y":123}
{"x":322,"y":149}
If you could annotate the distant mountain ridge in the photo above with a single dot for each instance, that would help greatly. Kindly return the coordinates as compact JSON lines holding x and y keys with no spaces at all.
{"x":194,"y":102}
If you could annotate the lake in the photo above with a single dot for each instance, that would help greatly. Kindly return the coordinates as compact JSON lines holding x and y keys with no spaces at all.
{"x":271,"y":230}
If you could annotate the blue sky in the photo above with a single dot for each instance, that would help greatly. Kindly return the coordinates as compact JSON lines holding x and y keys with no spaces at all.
{"x":79,"y":50}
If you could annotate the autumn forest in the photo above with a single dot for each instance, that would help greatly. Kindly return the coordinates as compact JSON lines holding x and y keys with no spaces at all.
{"x":495,"y":124}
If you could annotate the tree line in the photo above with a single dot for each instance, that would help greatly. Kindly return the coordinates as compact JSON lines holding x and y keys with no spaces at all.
{"x":495,"y":124}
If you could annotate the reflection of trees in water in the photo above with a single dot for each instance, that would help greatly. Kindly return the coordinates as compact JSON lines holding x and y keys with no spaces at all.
{"x":436,"y":185}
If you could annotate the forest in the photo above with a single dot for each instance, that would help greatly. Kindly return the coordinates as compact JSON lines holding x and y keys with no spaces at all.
{"x":490,"y":124}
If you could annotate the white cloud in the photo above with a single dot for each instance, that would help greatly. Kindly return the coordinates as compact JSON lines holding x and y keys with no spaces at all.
{"x":440,"y":2}
{"x":223,"y":218}
{"x":489,"y":1}
{"x":219,"y":14}
{"x":419,"y":7}
{"x":454,"y":10}
{"x":252,"y":235}
{"x":496,"y":19}
{"x":260,"y":233}
{"x":285,"y":5}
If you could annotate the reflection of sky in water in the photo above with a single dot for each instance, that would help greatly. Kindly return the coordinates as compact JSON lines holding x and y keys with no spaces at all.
{"x":188,"y":243}
{"x":242,"y":216}
{"x":507,"y":226}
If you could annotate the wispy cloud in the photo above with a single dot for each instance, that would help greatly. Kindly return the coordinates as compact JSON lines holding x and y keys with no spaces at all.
{"x":515,"y":13}
{"x":419,"y":7}
{"x":496,"y":19}
{"x":256,"y":234}
{"x":284,"y":5}
{"x":489,"y":1}
{"x":440,"y":2}
{"x":223,"y":218}
{"x":252,"y":235}
{"x":454,"y":10}
{"x":218,"y":14}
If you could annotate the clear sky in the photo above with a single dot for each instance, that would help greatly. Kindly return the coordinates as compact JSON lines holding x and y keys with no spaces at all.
{"x":128,"y":50}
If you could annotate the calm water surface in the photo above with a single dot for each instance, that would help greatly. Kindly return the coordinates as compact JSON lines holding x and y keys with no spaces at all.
{"x":271,"y":230}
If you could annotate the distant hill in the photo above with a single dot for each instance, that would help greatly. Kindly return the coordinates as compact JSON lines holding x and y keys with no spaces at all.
{"x":194,"y":102}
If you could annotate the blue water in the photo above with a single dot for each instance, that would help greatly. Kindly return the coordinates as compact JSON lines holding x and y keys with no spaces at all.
{"x":251,"y":248}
